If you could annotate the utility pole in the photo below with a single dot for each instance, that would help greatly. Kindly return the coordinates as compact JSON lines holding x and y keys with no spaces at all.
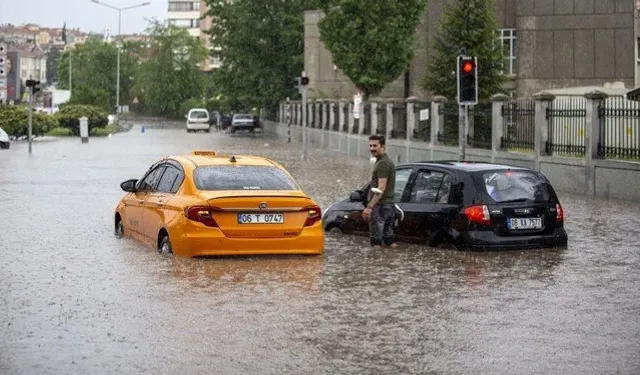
{"x":30,"y":109}
{"x":287,"y":113}
{"x":70,"y":70}
{"x":304,"y":81}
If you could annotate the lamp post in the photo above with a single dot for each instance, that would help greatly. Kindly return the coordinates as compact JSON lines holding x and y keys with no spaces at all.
{"x":119,"y":42}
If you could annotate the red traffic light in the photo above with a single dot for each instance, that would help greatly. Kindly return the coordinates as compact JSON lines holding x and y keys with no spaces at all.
{"x":467,"y":67}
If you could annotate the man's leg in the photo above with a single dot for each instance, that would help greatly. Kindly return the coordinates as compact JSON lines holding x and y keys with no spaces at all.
{"x":376,"y":226}
{"x":388,"y":235}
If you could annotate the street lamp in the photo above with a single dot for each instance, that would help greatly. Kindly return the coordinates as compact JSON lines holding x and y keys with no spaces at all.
{"x":119,"y":24}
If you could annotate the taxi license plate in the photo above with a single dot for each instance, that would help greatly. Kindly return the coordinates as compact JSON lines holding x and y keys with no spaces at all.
{"x":524,"y":223}
{"x":260,"y":219}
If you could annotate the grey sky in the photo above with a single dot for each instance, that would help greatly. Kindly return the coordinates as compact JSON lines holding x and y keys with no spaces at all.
{"x":83,"y":14}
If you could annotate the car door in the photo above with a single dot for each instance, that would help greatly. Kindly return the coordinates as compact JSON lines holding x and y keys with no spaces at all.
{"x":158,"y":206}
{"x":427,"y":208}
{"x":145,"y":188}
{"x":402,"y":178}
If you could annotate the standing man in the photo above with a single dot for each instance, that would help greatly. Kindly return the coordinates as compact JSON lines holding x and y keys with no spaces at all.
{"x":380,"y":211}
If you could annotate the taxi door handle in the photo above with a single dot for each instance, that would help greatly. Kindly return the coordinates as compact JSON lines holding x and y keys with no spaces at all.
{"x":159,"y":203}
{"x":141,"y":201}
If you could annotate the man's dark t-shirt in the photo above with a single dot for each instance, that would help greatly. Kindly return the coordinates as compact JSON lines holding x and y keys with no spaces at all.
{"x":384,"y":168}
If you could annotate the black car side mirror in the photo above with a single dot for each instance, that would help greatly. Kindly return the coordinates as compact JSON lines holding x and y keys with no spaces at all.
{"x":129,"y":185}
{"x":355,"y":196}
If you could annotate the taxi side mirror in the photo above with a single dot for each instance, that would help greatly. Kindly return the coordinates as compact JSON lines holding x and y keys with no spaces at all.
{"x":129,"y":185}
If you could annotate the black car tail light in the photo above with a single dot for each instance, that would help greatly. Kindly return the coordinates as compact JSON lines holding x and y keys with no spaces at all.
{"x":478,"y":214}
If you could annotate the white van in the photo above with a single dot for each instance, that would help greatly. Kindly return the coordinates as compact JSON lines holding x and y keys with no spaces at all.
{"x":198,"y":119}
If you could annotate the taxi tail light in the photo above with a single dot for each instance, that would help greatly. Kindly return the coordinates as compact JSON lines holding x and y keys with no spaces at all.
{"x":559,"y":213}
{"x":478,"y":214}
{"x":315,"y":214}
{"x":202,"y":214}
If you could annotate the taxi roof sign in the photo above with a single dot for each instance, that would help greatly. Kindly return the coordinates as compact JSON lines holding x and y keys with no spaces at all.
{"x":204,"y":152}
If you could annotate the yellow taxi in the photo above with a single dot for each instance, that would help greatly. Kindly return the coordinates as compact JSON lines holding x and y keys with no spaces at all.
{"x":205,"y":204}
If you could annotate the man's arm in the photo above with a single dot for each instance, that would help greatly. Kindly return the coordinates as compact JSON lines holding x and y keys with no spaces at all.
{"x":382,"y":185}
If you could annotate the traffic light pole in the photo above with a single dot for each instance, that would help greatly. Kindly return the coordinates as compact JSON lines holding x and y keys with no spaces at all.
{"x":304,"y":120}
{"x":463,"y":125}
{"x":30,"y":108}
{"x":287,"y":113}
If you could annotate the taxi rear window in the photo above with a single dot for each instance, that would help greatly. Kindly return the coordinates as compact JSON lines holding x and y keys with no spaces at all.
{"x":516,"y":186}
{"x":242,"y":177}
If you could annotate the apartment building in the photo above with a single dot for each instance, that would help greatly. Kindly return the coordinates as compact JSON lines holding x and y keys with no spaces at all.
{"x":191,"y":15}
{"x":546,"y":44}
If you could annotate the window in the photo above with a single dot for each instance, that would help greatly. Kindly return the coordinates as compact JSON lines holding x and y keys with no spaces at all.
{"x":149,"y":182}
{"x":504,"y":186}
{"x":198,"y":115}
{"x":638,"y":50}
{"x":430,"y":187}
{"x":508,"y":47}
{"x":168,"y":181}
{"x":402,"y":177}
{"x":185,"y":22}
{"x":242,"y":178}
{"x":184,"y":6}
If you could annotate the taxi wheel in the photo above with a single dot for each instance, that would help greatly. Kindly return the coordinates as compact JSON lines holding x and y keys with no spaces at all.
{"x":164,"y":245}
{"x":119,"y":232}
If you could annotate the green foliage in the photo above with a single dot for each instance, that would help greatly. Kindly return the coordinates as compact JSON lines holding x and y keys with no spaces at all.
{"x":69,"y":117}
{"x":469,"y":24}
{"x":191,"y":103}
{"x":371,"y":41}
{"x":15,"y":121}
{"x":52,"y":64}
{"x":94,"y":70}
{"x":170,"y":75}
{"x":261,"y":49}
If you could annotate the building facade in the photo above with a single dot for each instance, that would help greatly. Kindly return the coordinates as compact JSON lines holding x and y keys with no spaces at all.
{"x":191,"y":15}
{"x":546,"y":44}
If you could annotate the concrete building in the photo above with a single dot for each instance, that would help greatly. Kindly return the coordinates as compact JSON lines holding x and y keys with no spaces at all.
{"x":191,"y":16}
{"x":547,"y":44}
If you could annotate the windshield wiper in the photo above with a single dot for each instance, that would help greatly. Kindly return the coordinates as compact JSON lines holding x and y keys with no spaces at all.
{"x":514,"y":200}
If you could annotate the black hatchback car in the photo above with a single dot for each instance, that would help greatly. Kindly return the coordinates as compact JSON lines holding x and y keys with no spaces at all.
{"x":471,"y":205}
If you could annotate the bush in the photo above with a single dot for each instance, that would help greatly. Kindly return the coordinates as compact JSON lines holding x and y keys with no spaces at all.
{"x":69,"y":117}
{"x":14,"y":120}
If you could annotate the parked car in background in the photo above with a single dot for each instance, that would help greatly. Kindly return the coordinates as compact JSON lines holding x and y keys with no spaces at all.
{"x":4,"y":139}
{"x":204,"y":204}
{"x":470,"y":205}
{"x":242,"y":121}
{"x":198,"y":119}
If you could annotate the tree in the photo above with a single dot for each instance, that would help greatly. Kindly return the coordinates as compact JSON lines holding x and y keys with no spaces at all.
{"x":371,"y":41}
{"x":52,"y":64}
{"x":169,"y":75}
{"x":94,"y":67}
{"x":64,"y":33}
{"x":469,"y":24}
{"x":261,"y":49}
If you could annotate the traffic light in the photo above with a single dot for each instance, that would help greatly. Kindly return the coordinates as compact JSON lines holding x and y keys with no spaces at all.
{"x":304,"y":81}
{"x":34,"y":86}
{"x":467,"y":70}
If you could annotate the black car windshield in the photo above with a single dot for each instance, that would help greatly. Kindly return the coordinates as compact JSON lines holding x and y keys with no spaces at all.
{"x":242,"y":177}
{"x":511,"y":186}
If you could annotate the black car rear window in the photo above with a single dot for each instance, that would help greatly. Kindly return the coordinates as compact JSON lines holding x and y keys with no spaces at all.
{"x":515,"y":186}
{"x":242,"y":177}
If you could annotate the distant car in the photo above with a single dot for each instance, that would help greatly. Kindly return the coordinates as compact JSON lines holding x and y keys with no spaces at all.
{"x":205,"y":204}
{"x":198,"y":119}
{"x":4,"y":139}
{"x":241,"y":122}
{"x":470,"y":205}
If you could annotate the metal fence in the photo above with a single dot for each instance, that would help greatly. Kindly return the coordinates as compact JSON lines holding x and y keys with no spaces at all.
{"x":449,"y":134}
{"x":518,"y":131}
{"x":619,"y":129}
{"x":480,"y":116}
{"x":382,"y":119}
{"x":399,"y":129}
{"x":567,"y":116}
{"x":422,"y":118}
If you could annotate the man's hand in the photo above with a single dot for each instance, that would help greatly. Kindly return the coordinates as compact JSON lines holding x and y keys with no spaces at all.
{"x":366,"y":214}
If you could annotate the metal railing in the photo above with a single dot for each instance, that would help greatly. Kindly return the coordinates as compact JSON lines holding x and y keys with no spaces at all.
{"x":619,"y":121}
{"x":449,"y":134}
{"x":567,"y":116}
{"x":422,"y":125}
{"x":519,"y":124}
{"x":480,"y":117}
